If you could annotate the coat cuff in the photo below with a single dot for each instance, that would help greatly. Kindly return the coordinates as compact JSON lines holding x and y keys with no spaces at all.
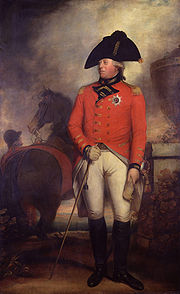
{"x":85,"y":150}
{"x":135,"y":165}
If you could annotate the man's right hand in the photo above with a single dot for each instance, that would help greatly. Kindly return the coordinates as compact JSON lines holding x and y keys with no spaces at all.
{"x":93,"y":153}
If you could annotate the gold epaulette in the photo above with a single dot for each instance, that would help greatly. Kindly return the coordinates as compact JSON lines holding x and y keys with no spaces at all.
{"x":135,"y":89}
{"x":81,"y":90}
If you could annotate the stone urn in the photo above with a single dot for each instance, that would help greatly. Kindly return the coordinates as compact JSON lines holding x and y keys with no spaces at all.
{"x":165,"y":75}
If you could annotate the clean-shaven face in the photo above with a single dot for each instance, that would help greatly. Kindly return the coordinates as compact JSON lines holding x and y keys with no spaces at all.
{"x":106,"y":68}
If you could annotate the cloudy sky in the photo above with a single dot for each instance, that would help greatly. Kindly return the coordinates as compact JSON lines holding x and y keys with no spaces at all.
{"x":43,"y":45}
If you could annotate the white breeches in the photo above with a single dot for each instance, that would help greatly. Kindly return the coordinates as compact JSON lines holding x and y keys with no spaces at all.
{"x":111,"y":172}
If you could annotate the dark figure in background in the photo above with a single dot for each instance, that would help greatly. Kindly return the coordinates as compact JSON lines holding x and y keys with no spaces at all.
{"x":13,"y":139}
{"x":14,"y":143}
{"x":108,"y":127}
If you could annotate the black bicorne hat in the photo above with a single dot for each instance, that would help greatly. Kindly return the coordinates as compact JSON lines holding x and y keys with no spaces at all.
{"x":117,"y":47}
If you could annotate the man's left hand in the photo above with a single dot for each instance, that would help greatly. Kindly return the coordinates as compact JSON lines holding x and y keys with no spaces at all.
{"x":134,"y":174}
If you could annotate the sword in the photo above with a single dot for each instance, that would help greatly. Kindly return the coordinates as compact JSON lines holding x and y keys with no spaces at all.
{"x":70,"y":218}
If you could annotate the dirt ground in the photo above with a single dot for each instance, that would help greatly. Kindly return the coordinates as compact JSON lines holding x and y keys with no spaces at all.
{"x":76,"y":264}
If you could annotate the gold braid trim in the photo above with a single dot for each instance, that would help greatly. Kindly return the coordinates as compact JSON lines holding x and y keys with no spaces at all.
{"x":135,"y":89}
{"x":81,"y":90}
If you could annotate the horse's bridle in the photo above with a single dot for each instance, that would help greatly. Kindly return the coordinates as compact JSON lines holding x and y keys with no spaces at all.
{"x":36,"y":137}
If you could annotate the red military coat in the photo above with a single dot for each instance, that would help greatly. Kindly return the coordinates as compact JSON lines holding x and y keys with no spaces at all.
{"x":117,"y":120}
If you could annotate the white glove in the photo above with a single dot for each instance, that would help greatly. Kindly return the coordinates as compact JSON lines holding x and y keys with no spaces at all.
{"x":93,"y":153}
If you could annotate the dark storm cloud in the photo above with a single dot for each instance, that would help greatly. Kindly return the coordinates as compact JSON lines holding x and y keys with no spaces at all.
{"x":47,"y":42}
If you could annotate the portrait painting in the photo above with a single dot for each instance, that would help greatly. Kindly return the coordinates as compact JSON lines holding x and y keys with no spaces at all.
{"x":84,"y":81}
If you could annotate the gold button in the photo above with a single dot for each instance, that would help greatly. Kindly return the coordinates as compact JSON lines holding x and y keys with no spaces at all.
{"x":98,"y":106}
{"x":108,"y":133}
{"x":108,"y":107}
{"x":107,"y":125}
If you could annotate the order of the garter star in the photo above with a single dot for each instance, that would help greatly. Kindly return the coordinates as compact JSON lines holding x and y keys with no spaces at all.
{"x":116,"y":100}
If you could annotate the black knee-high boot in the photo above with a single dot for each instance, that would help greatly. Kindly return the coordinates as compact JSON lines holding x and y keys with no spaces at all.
{"x":121,"y":238}
{"x":98,"y":236}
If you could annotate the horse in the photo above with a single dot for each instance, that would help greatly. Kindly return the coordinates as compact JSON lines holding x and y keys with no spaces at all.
{"x":35,"y":175}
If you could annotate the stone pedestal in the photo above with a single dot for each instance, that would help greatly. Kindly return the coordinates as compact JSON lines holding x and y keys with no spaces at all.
{"x":164,"y":156}
{"x":159,"y":217}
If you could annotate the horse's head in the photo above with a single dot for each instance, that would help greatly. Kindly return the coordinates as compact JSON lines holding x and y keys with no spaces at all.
{"x":53,"y":108}
{"x":42,"y":115}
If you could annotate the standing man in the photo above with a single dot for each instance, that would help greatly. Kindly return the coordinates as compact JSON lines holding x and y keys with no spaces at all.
{"x":108,"y":127}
